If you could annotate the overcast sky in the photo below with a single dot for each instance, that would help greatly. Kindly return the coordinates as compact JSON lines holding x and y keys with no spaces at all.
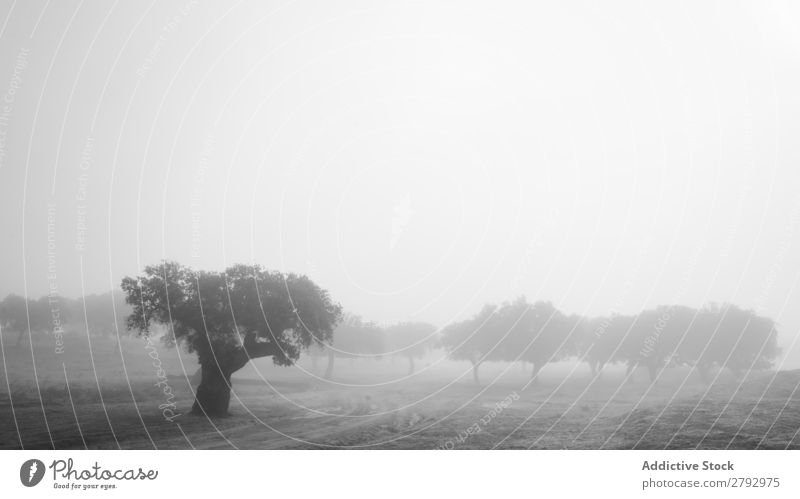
{"x":416,"y":158}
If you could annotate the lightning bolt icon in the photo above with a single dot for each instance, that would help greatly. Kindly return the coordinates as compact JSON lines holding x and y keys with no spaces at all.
{"x":32,"y":472}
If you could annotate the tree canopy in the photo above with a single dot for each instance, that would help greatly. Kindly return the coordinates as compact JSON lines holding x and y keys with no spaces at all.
{"x":724,"y":336}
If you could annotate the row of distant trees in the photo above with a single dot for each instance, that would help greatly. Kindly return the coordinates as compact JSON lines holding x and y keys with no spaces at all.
{"x":723,"y":336}
{"x":354,"y":338}
{"x":99,"y":314}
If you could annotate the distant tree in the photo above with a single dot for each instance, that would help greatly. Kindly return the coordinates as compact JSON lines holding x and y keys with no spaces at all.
{"x":24,"y":315}
{"x":228,"y":318}
{"x":354,"y":337}
{"x":758,"y":346}
{"x":103,"y":314}
{"x":552,"y":336}
{"x":671,"y":335}
{"x":536,"y":333}
{"x":645,"y":341}
{"x":648,"y":339}
{"x":14,"y":316}
{"x":474,"y":339}
{"x":43,"y":312}
{"x":734,"y":338}
{"x":601,"y":341}
{"x":413,"y":340}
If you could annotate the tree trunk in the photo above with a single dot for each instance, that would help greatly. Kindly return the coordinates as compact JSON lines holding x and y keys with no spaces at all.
{"x":535,"y":373}
{"x":597,"y":369}
{"x":410,"y":365}
{"x":214,"y":392}
{"x":652,"y":369}
{"x":475,"y":366}
{"x":19,"y":338}
{"x":329,"y":369}
{"x":629,"y":372}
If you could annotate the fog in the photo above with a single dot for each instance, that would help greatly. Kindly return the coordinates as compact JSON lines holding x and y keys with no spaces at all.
{"x":417,"y":160}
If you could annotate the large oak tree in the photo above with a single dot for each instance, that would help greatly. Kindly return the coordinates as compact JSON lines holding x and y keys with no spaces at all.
{"x":228,"y":318}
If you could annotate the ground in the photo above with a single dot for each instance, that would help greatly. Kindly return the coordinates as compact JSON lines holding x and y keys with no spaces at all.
{"x":113,"y":401}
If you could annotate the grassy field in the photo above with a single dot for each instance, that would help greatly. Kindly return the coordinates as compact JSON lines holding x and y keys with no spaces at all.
{"x":112,"y":399}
